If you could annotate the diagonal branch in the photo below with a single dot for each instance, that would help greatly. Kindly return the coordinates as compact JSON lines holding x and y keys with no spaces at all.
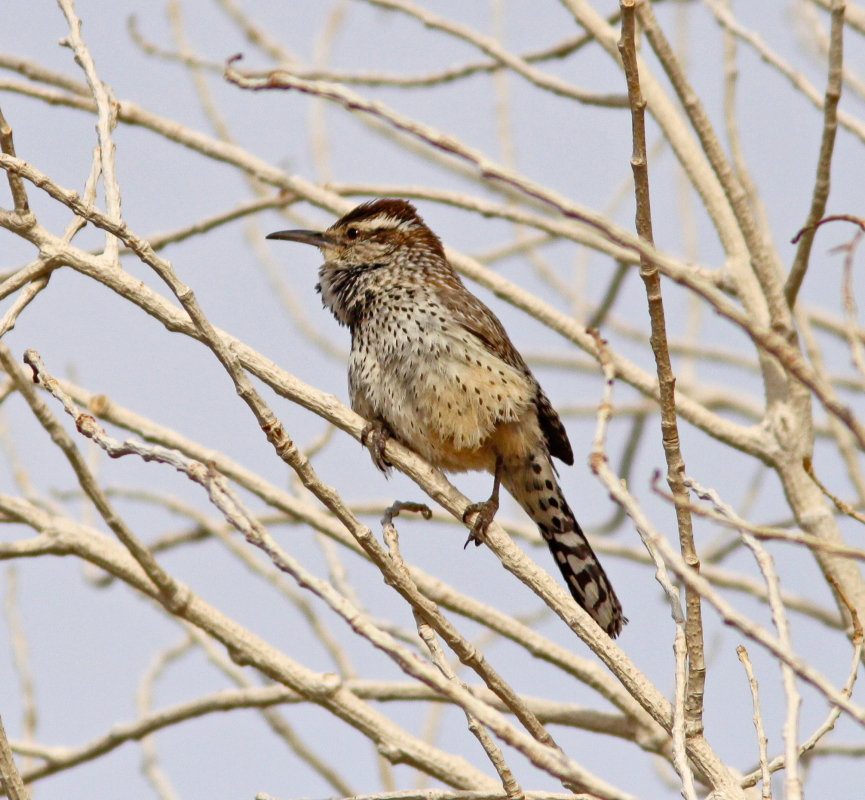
{"x":170,"y":590}
{"x":10,"y":777}
{"x":545,"y":756}
{"x":492,"y":48}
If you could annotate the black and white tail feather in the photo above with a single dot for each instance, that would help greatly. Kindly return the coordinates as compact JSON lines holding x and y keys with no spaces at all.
{"x":533,"y":484}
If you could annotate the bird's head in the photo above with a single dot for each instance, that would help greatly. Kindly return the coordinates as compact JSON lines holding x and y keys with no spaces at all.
{"x":374,"y":234}
{"x":375,"y":246}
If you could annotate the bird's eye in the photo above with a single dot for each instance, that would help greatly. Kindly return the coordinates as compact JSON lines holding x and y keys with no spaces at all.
{"x":351,"y":233}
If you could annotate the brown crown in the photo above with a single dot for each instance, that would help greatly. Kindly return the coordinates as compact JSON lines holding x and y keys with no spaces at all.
{"x":398,"y":209}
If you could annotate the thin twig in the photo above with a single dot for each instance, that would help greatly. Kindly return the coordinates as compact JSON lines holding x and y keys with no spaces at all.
{"x":797,"y":80}
{"x":762,"y":532}
{"x":561,"y":50}
{"x":492,"y":48}
{"x":812,"y":742}
{"x":610,"y":296}
{"x":666,"y":378}
{"x":737,"y":153}
{"x":21,"y":658}
{"x":41,"y":281}
{"x":850,"y":309}
{"x":512,"y":788}
{"x":150,"y":766}
{"x":16,"y":185}
{"x":106,"y":107}
{"x":822,"y":182}
{"x":762,"y":741}
{"x":256,"y":34}
{"x":793,"y":787}
{"x":494,"y":753}
{"x":841,"y":505}
{"x":322,"y":48}
{"x":762,"y":261}
{"x":600,"y":466}
{"x":158,"y":241}
{"x":779,"y":617}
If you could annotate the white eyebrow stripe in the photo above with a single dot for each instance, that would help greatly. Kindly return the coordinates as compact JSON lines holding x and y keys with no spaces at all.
{"x":384,"y":221}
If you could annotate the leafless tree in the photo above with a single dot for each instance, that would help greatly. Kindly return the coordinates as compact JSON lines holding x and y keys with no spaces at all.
{"x":753,"y":411}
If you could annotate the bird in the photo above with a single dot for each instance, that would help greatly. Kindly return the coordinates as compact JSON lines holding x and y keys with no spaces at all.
{"x":432,"y":367}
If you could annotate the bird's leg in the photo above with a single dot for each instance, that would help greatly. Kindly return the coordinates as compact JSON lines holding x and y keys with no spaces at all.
{"x":377,"y":434}
{"x":486,"y":511}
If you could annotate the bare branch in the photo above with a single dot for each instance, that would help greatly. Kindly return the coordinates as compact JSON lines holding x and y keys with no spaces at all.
{"x":762,"y":741}
{"x":69,"y":538}
{"x":10,"y":778}
{"x":797,"y":79}
{"x":16,"y":185}
{"x":166,"y":584}
{"x":149,"y":757}
{"x":21,"y":656}
{"x":693,"y":627}
{"x":599,"y":465}
{"x":106,"y":107}
{"x":824,"y":161}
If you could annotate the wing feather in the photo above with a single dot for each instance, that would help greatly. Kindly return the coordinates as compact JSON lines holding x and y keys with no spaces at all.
{"x":477,"y":319}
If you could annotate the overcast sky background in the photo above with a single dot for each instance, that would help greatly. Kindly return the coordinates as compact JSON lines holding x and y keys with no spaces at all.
{"x":90,"y":646}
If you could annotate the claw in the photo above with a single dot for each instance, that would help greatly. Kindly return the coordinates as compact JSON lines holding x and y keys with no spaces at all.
{"x":378,"y":433}
{"x":485,"y":511}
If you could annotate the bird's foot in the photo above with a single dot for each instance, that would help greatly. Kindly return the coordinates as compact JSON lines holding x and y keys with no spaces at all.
{"x":375,"y":436}
{"x":486,"y":512}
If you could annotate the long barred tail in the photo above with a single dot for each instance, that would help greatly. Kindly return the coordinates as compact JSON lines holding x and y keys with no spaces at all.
{"x":533,"y":484}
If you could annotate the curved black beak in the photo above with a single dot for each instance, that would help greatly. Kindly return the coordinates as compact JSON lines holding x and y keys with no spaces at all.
{"x":304,"y":237}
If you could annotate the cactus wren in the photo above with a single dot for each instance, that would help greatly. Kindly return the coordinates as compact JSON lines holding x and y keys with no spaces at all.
{"x":433,"y":367}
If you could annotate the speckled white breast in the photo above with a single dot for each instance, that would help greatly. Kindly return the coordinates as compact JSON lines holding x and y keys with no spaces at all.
{"x":435,"y":384}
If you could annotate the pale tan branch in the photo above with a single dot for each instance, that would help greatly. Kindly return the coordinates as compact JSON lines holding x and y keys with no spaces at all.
{"x":106,"y":107}
{"x":824,"y":161}
{"x":599,"y":465}
{"x":509,"y":783}
{"x":16,"y":185}
{"x":159,"y":241}
{"x":812,"y":745}
{"x":492,"y":48}
{"x":10,"y":777}
{"x":692,"y":627}
{"x":233,"y":509}
{"x":733,"y":617}
{"x":558,"y":51}
{"x":762,"y":741}
{"x":60,"y":536}
{"x":167,"y":586}
{"x":797,"y":79}
{"x":256,"y":34}
{"x":150,"y":765}
{"x":761,"y":259}
{"x":21,"y":659}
